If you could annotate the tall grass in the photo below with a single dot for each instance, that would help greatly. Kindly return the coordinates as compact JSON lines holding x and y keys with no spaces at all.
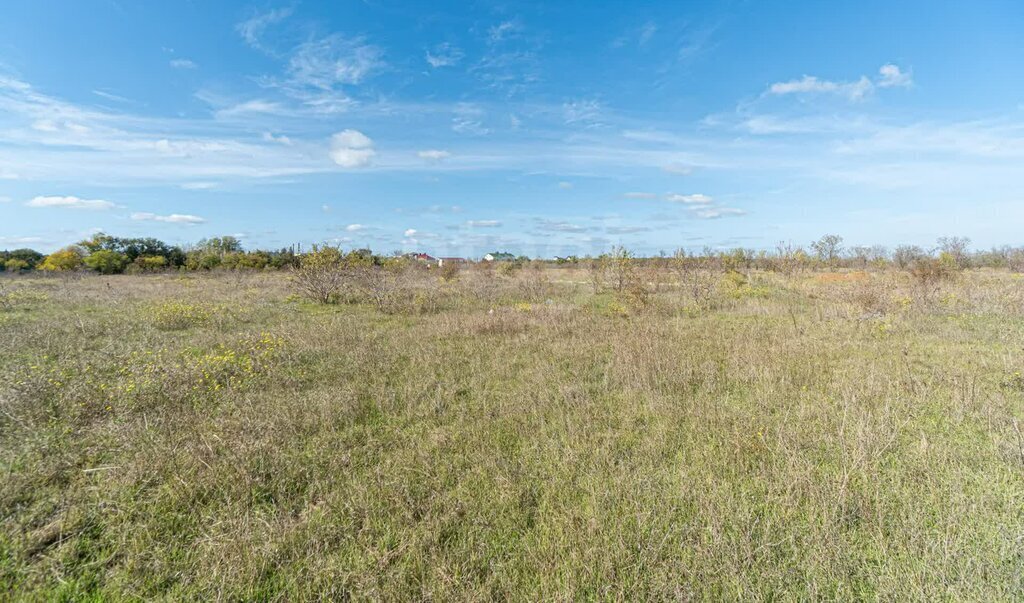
{"x":514,"y":436}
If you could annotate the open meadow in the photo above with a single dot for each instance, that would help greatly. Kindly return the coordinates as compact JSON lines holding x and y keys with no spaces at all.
{"x":540,"y":433}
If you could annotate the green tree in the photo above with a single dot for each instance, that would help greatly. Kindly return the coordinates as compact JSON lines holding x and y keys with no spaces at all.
{"x":106,"y":261}
{"x":65,"y":260}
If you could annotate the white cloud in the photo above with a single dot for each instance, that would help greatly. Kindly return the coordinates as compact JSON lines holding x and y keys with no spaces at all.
{"x":483,"y":223}
{"x":410,"y":232}
{"x":252,"y":29}
{"x":327,"y":62}
{"x":282,"y":139}
{"x":504,"y":31}
{"x":325,"y":208}
{"x":352,"y":149}
{"x":893,"y":76}
{"x":21,"y":240}
{"x":198,"y":186}
{"x":639,"y":195}
{"x":71,"y":202}
{"x":111,"y":97}
{"x":444,"y":55}
{"x":679,"y":169}
{"x":811,"y":85}
{"x":434,"y":155}
{"x":355,"y":227}
{"x":170,"y":219}
{"x":581,"y":111}
{"x":250,"y":107}
{"x":713,"y":213}
{"x":183,"y":64}
{"x":694,"y":199}
{"x":5,"y":199}
{"x":565,"y":185}
{"x":890,"y":76}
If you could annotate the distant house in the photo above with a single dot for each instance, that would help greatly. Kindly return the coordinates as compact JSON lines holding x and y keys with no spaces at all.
{"x":499,"y":256}
{"x":443,"y":261}
{"x":426,"y":258}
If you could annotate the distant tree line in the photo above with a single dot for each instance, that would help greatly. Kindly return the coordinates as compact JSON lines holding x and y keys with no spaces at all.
{"x":108,"y":254}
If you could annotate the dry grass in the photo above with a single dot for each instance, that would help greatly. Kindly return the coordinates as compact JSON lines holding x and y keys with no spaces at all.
{"x":513,"y":436}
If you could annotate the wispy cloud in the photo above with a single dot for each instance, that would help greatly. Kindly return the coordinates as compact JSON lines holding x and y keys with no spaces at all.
{"x":483,"y":223}
{"x":183,"y":64}
{"x":332,"y":61}
{"x":444,"y":55}
{"x":253,"y":28}
{"x":810,"y":84}
{"x":713,"y":213}
{"x":694,"y":199}
{"x":433,"y":155}
{"x":70,"y":202}
{"x":889,"y":76}
{"x":111,"y":97}
{"x":187,"y":219}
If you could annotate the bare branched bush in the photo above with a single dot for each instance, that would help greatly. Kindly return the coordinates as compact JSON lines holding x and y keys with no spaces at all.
{"x":697,"y":280}
{"x":320,"y":275}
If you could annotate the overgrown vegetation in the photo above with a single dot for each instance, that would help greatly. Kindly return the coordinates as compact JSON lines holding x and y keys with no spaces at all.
{"x":701,"y":426}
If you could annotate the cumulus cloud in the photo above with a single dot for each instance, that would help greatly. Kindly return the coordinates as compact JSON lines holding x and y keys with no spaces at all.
{"x":355,"y":227}
{"x":352,"y":149}
{"x":170,"y":219}
{"x":434,"y":155}
{"x":694,"y":199}
{"x":410,"y":232}
{"x":892,"y":76}
{"x":70,"y":202}
{"x":183,"y":64}
{"x":483,"y":223}
{"x":639,"y":195}
{"x":444,"y":55}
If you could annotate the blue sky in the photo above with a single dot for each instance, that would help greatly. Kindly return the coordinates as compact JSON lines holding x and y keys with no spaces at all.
{"x":540,"y":128}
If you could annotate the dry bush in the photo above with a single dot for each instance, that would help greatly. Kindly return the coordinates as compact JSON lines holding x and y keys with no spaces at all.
{"x":697,"y":280}
{"x":928,"y":274}
{"x":450,"y":271}
{"x":320,"y":276}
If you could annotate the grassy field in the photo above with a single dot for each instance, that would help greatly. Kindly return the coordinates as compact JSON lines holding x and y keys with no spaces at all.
{"x":513,"y":436}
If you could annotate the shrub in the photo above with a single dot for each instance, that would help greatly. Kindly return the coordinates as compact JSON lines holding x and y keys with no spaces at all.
{"x":105,"y":261}
{"x":176,"y":316}
{"x":449,"y":271}
{"x":65,"y":260}
{"x":319,"y":276}
{"x":928,"y":273}
{"x":15,"y":265}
